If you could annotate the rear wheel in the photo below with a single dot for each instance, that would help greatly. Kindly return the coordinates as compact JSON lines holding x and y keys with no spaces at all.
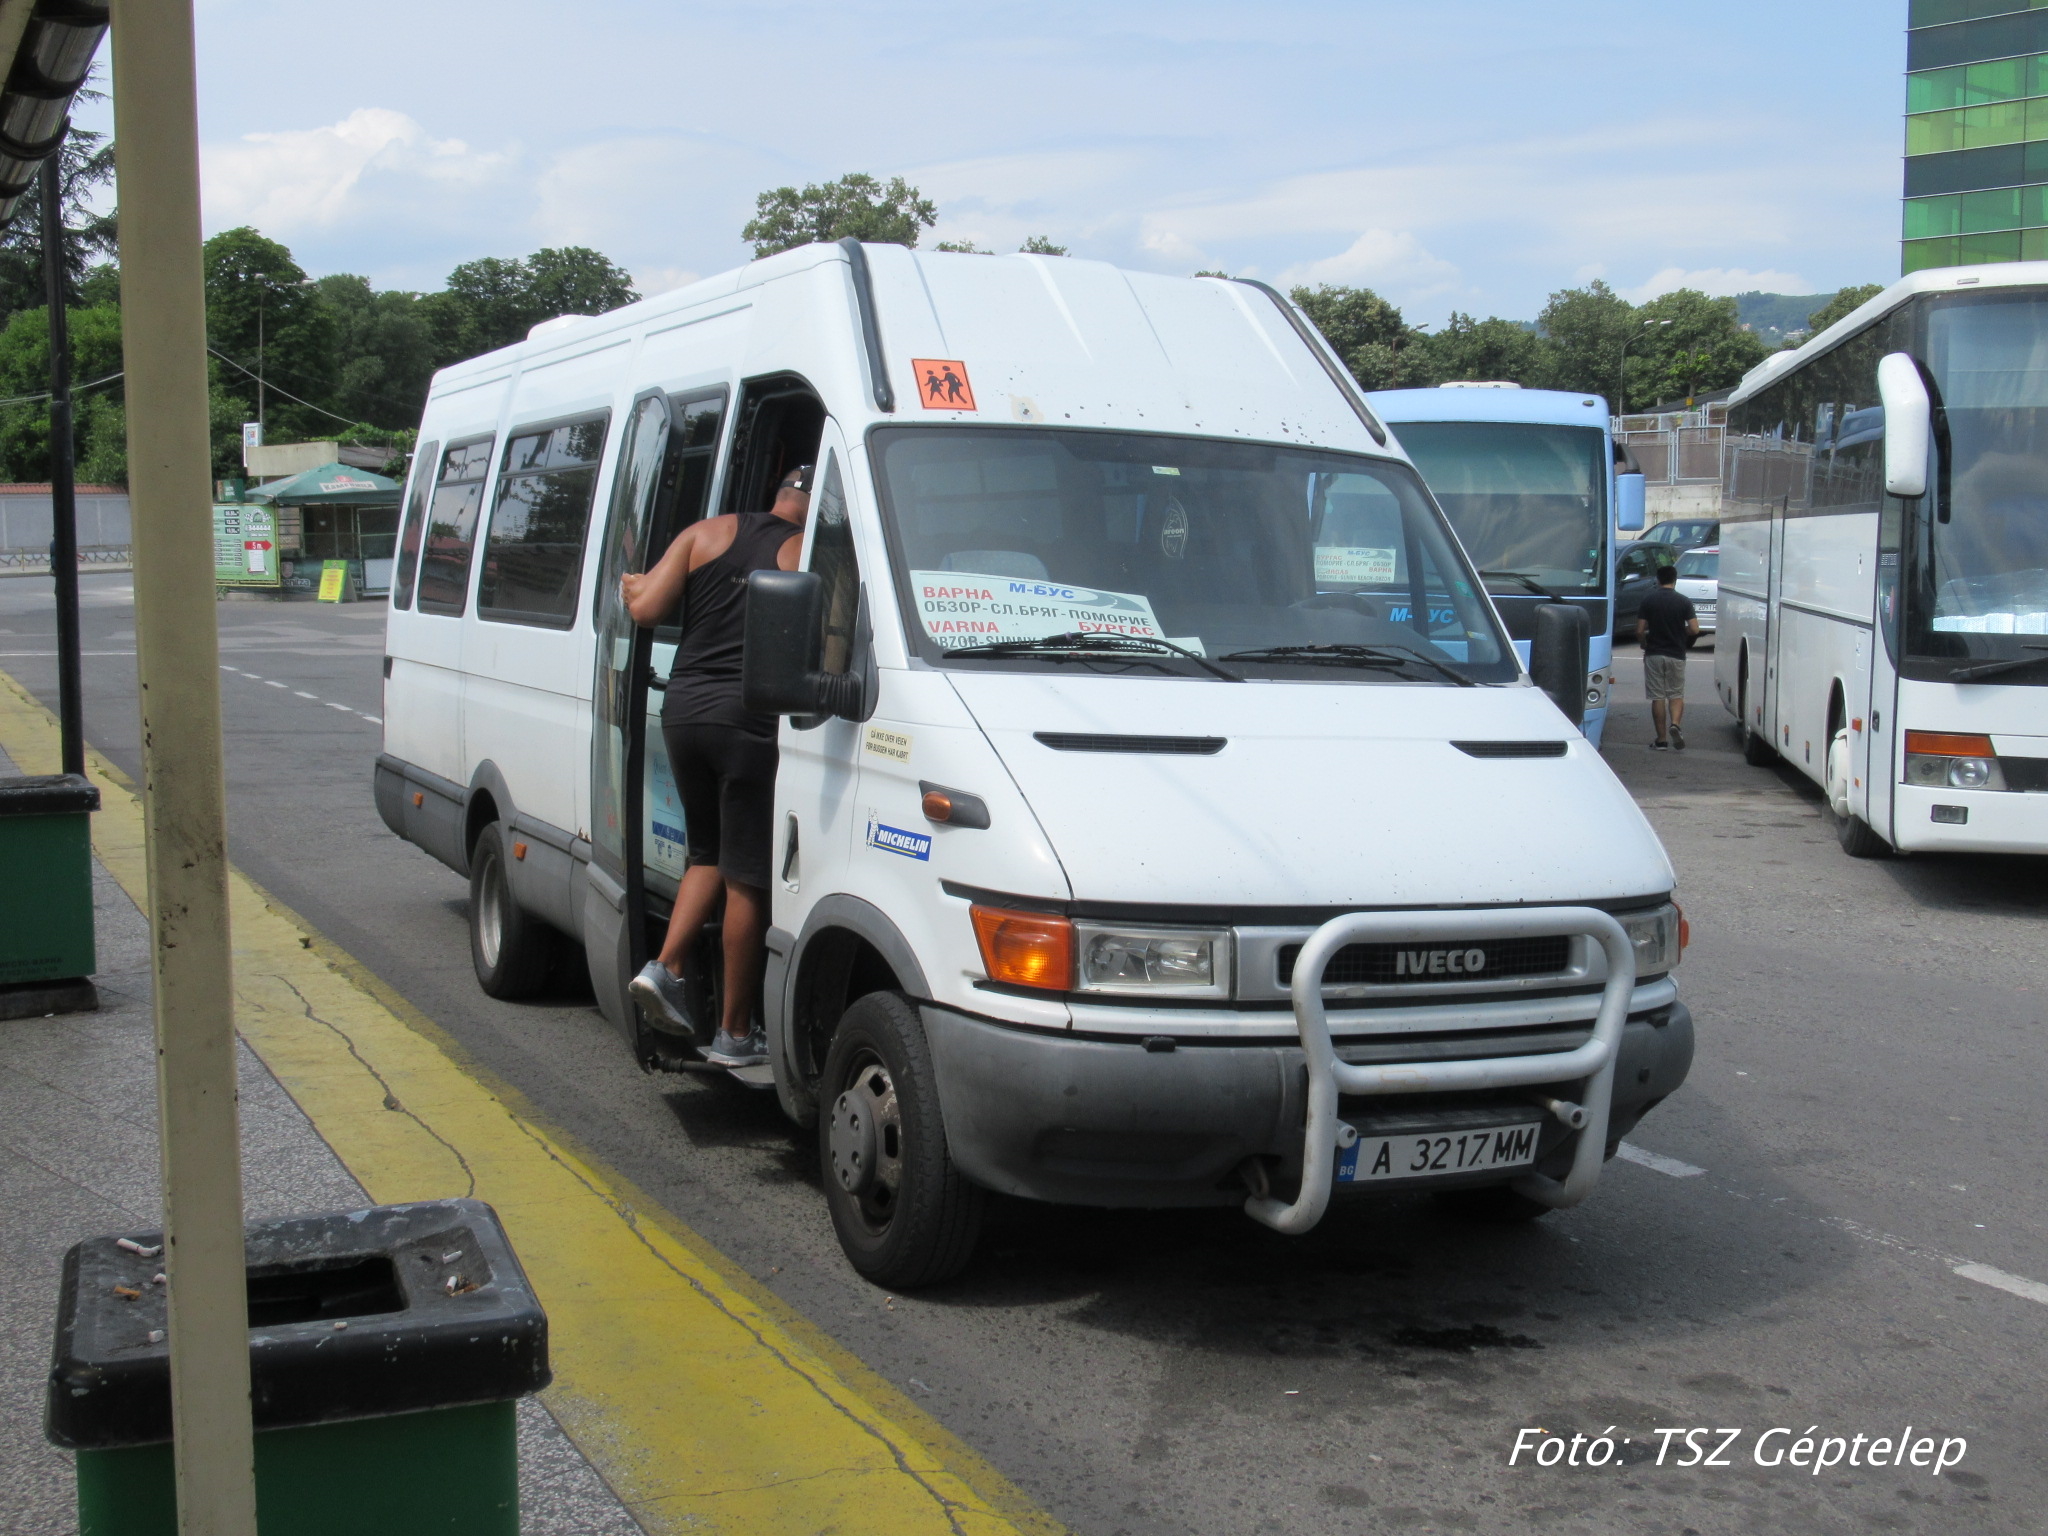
{"x":513,"y":951}
{"x":905,"y":1215}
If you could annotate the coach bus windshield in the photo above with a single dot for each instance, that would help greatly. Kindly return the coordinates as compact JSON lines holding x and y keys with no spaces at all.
{"x":1529,"y":502}
{"x":1981,"y":572}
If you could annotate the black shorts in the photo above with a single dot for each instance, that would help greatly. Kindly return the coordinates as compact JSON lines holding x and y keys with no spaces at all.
{"x":726,"y":781}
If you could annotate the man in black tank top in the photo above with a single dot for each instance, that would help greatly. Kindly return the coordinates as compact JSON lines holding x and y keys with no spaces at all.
{"x":723,"y":757}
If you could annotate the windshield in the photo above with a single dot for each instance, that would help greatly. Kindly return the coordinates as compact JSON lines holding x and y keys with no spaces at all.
{"x":1981,"y":572}
{"x":1700,"y":563}
{"x":1527,"y":501}
{"x":1008,"y":536}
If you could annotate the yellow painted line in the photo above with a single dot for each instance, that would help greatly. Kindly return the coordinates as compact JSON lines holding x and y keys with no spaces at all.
{"x":706,"y":1402}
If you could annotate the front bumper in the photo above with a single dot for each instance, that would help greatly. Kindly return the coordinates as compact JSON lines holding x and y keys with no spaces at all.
{"x":1112,"y":1123}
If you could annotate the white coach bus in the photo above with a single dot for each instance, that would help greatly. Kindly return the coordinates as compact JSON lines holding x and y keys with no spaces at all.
{"x":1884,"y":564}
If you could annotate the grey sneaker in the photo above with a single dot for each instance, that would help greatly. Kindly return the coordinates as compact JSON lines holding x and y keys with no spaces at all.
{"x":664,"y":998}
{"x":1677,"y":739}
{"x":726,"y":1051}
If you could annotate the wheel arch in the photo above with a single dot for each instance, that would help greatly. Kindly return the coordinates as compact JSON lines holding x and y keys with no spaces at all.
{"x":847,"y":949}
{"x":489,"y":800}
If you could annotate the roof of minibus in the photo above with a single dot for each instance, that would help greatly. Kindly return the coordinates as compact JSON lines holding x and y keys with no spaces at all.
{"x":1535,"y":407}
{"x":1994,"y":274}
{"x":1044,"y":340}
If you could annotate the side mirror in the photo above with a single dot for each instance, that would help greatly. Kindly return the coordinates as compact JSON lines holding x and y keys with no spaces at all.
{"x":1559,"y":657}
{"x":779,"y":665}
{"x":1908,"y":416}
{"x":1631,"y":501}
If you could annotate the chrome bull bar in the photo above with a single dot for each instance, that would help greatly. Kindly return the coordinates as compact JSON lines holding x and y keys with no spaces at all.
{"x":1592,"y":1063}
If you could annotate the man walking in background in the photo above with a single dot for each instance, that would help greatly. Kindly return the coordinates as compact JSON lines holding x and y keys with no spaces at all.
{"x":1666,"y":627}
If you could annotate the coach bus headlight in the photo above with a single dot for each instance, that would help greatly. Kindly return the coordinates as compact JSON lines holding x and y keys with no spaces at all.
{"x":1655,"y":936}
{"x":1596,"y":690}
{"x":1949,"y":760}
{"x":1180,"y":962}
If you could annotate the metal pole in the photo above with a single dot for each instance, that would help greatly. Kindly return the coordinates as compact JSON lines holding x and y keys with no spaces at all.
{"x":63,"y":500}
{"x":163,"y":334}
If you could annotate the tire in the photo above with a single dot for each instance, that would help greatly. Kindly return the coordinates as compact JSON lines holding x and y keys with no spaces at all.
{"x":514,"y":952}
{"x":1858,"y":840}
{"x":1497,"y":1204}
{"x":904,"y":1220}
{"x":1756,"y":750}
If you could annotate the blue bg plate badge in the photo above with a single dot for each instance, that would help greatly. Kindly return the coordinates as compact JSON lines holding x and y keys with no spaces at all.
{"x":911,"y":845}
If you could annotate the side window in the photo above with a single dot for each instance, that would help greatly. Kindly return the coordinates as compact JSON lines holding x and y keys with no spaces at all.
{"x":424,"y":463}
{"x":533,"y":558}
{"x":697,"y":458}
{"x":833,"y":558}
{"x":451,"y":527}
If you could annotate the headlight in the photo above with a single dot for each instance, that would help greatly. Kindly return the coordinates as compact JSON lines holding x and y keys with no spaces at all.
{"x":1947,"y":760}
{"x":1657,"y":936}
{"x":1596,"y":690}
{"x":1152,"y":962}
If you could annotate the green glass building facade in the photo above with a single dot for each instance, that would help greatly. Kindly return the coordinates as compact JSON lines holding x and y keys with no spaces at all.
{"x":1976,"y":132}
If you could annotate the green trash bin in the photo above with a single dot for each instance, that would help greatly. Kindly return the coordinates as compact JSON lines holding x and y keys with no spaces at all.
{"x":46,"y":940}
{"x":386,"y":1349}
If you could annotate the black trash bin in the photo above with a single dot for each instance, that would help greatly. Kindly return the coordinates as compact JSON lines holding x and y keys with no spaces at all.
{"x":386,"y":1349}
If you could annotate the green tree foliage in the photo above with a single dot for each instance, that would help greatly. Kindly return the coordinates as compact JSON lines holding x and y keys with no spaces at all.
{"x":1476,"y":350}
{"x":494,"y":302}
{"x":856,"y":205}
{"x":1041,"y":245}
{"x":1366,"y":332}
{"x":85,"y":166}
{"x":98,"y":447}
{"x":384,"y":348}
{"x":1586,"y":328}
{"x":1840,"y":307}
{"x":274,"y":341}
{"x":1703,"y":348}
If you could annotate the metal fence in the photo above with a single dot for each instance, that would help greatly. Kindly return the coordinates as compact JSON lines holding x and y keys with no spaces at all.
{"x":1679,"y":447}
{"x":88,"y":556}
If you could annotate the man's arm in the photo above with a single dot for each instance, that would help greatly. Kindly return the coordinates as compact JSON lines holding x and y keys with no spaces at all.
{"x":1642,"y":629}
{"x":652,"y":597}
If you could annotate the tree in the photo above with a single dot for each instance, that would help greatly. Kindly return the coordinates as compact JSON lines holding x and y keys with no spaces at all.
{"x":384,"y":351}
{"x":85,"y":164}
{"x":1586,"y":328}
{"x":273,"y":339}
{"x":1467,"y":350}
{"x":1366,"y":332}
{"x":962,"y":248}
{"x":856,"y":205}
{"x":1840,"y":307}
{"x":1041,"y":245}
{"x":493,"y":302}
{"x":1704,"y":347}
{"x":98,"y":425}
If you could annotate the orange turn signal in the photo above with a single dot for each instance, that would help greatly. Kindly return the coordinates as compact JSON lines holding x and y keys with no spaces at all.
{"x":1684,"y":928}
{"x":1025,"y":949}
{"x":519,"y":850}
{"x":1948,"y":744}
{"x":938,"y":805}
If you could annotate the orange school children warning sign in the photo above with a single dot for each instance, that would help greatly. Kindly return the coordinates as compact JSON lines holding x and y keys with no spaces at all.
{"x":942,"y":383}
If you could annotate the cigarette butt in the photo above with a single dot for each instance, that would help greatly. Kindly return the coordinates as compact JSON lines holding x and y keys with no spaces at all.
{"x":127,"y":1291}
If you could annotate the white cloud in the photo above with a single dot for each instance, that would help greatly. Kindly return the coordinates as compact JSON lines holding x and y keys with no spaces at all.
{"x":302,"y":178}
{"x":1721,"y":282}
{"x":1380,"y":258}
{"x":653,"y":280}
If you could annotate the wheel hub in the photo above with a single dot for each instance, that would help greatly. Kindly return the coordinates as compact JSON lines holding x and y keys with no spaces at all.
{"x":865,"y":1141}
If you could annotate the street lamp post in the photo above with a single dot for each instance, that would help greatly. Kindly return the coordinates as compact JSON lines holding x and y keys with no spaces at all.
{"x":1621,"y":394}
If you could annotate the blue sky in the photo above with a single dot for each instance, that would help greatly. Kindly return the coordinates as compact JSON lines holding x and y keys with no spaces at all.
{"x":1467,"y":154}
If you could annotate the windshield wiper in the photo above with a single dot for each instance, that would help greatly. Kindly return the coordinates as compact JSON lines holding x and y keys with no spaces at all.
{"x":1368,"y":656}
{"x":1081,"y":643}
{"x":1993,"y":668}
{"x":1525,"y":581}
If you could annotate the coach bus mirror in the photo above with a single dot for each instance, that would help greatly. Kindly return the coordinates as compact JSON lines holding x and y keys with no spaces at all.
{"x":1558,"y":657}
{"x":1908,"y":414}
{"x":1631,"y":499}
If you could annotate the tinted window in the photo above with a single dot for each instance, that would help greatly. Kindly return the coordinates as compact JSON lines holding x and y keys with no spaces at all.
{"x":451,"y":527}
{"x":1700,"y":565}
{"x":423,"y":465}
{"x":533,"y":559}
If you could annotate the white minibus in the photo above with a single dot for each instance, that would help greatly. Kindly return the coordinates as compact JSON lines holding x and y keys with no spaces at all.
{"x":1883,"y":620}
{"x":1164,"y":816}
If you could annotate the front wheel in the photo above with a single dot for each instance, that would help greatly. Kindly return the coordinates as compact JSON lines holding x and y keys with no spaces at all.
{"x":905,"y":1215}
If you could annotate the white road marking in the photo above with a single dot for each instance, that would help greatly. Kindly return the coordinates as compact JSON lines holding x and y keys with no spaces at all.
{"x":373,"y":719}
{"x":342,"y":707}
{"x":1671,"y":1165}
{"x":302,"y":694}
{"x":1998,"y":1279}
{"x":268,"y":683}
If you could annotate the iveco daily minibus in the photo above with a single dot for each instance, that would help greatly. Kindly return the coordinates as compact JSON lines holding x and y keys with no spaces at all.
{"x":1164,"y":816}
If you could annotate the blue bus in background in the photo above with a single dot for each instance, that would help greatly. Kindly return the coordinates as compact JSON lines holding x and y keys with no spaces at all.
{"x":1527,"y":477}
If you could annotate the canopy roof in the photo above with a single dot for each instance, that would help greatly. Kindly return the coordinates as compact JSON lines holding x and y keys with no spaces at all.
{"x":330,"y":484}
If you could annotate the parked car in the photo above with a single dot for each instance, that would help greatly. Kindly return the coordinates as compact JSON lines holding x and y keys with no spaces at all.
{"x":1699,"y":578}
{"x":1635,"y":578}
{"x":1685,"y":532}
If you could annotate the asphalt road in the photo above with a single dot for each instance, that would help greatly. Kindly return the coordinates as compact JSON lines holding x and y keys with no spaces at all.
{"x":1862,"y":1123}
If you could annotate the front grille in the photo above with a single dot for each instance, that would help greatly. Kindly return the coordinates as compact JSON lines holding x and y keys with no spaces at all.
{"x":1510,"y":748}
{"x":1383,"y":965}
{"x":1076,"y":741}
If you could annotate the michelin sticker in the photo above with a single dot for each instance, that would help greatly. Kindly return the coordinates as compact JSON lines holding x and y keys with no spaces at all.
{"x":912,"y":845}
{"x":959,"y":608}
